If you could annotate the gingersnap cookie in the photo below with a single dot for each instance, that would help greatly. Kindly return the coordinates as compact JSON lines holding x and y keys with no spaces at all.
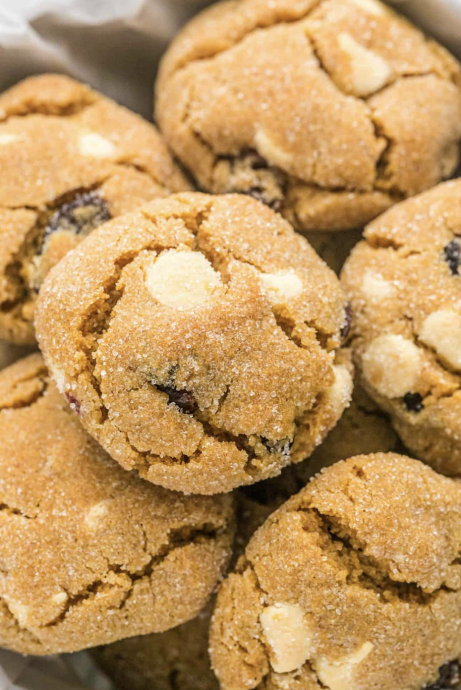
{"x":198,"y":338}
{"x":70,"y":159}
{"x":342,"y":588}
{"x":405,"y":288}
{"x":327,"y":110}
{"x":89,"y":553}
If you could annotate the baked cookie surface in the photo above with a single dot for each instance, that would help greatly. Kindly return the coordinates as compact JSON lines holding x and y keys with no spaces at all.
{"x":327,"y":110}
{"x":70,"y":159}
{"x":343,"y":588}
{"x":89,"y":553}
{"x":405,"y":287}
{"x":199,"y":339}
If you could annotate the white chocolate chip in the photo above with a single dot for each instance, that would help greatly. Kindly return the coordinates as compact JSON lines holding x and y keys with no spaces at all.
{"x":8,"y":138}
{"x":59,"y":378}
{"x":287,"y":635}
{"x":182,"y":279}
{"x":371,"y":7}
{"x":370,"y":71}
{"x":270,"y":151}
{"x":95,"y":514}
{"x":281,"y":287}
{"x":339,"y":393}
{"x":96,"y":146}
{"x":59,"y":598}
{"x":376,"y":288}
{"x":441,"y":330}
{"x":392,"y":364}
{"x":19,"y":611}
{"x":339,"y":675}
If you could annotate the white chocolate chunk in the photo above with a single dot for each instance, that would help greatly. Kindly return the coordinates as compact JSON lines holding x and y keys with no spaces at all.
{"x":441,"y":330}
{"x":392,"y":364}
{"x":281,"y":287}
{"x":376,"y":288}
{"x":370,"y":71}
{"x":371,"y":7}
{"x":7,"y":138}
{"x":270,"y":151}
{"x":20,"y":611}
{"x":96,"y":146}
{"x":339,"y":675}
{"x":95,"y":514}
{"x":59,"y":598}
{"x":287,"y":635}
{"x":182,"y":279}
{"x":340,"y":392}
{"x":59,"y":378}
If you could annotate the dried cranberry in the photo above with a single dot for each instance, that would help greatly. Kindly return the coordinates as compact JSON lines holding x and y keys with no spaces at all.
{"x":346,"y":327}
{"x":73,"y":402}
{"x":182,"y":399}
{"x":449,"y":677}
{"x":81,"y":215}
{"x":413,"y":402}
{"x":452,"y":255}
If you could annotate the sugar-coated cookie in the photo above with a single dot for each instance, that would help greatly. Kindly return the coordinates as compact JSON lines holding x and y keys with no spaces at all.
{"x":405,"y":287}
{"x":354,"y":583}
{"x":199,"y":340}
{"x":70,"y":159}
{"x":89,"y":553}
{"x":327,"y":110}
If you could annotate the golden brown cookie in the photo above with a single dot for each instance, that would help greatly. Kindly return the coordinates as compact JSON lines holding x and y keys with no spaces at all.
{"x":70,"y":159}
{"x":199,"y":339}
{"x":405,"y":286}
{"x":89,"y":553}
{"x":327,"y":110}
{"x":354,"y":583}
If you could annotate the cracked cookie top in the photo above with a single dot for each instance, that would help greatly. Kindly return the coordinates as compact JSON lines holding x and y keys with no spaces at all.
{"x":199,"y":338}
{"x":342,"y":588}
{"x":405,"y":288}
{"x":327,"y":110}
{"x":89,"y":553}
{"x":70,"y":159}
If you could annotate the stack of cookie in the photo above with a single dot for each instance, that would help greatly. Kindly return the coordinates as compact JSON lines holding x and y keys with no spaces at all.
{"x":194,"y":410}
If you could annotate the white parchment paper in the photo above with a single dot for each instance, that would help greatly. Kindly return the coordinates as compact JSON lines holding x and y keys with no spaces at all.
{"x":115,"y":45}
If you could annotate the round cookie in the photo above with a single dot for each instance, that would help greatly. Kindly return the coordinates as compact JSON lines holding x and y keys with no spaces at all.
{"x":405,"y":288}
{"x":198,"y":338}
{"x":327,"y":110}
{"x":89,"y":553}
{"x":70,"y":159}
{"x":343,"y":588}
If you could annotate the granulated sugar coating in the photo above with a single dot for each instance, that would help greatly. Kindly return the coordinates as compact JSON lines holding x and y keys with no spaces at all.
{"x":404,"y":284}
{"x":198,"y":338}
{"x":327,"y":110}
{"x":354,"y":583}
{"x":70,"y":159}
{"x":89,"y":553}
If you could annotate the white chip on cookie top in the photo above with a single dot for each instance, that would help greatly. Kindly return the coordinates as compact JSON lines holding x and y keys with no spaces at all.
{"x":441,"y":331}
{"x":287,"y":635}
{"x":369,"y":71}
{"x":270,"y":151}
{"x":340,"y":392}
{"x":182,"y":279}
{"x":339,"y":675}
{"x":376,"y":288}
{"x":94,"y":145}
{"x":282,"y":286}
{"x":392,"y":364}
{"x":7,"y":138}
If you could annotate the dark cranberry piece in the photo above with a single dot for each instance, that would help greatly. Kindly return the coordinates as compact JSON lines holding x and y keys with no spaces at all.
{"x":452,"y":255}
{"x":449,"y":677}
{"x":73,"y":402}
{"x":80,"y":216}
{"x":346,"y":327}
{"x":182,"y":399}
{"x":413,"y":402}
